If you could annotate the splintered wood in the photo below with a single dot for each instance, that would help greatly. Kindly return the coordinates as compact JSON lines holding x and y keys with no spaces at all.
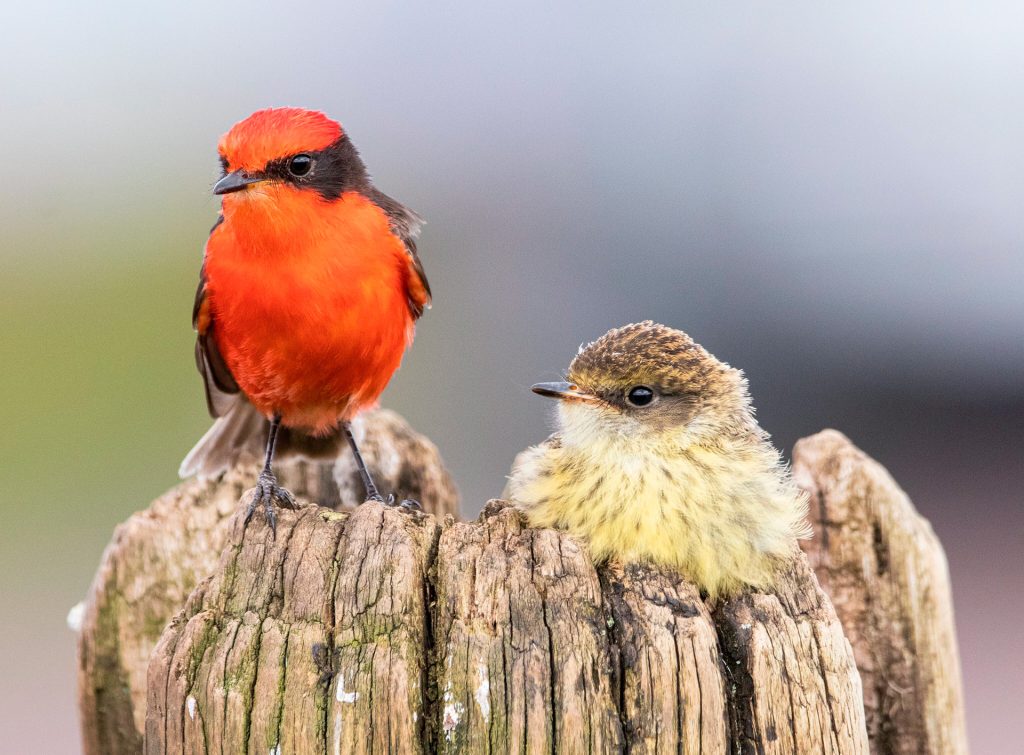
{"x":796,"y":686}
{"x":159,"y":555}
{"x":386,"y":631}
{"x":523,"y":661}
{"x":886,"y":573}
{"x":278,"y":652}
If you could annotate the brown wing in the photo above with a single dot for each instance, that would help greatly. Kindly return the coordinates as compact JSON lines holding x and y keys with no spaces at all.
{"x":217,"y":378}
{"x":406,"y":225}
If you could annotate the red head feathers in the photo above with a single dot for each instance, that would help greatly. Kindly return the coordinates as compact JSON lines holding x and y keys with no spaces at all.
{"x":275,"y":133}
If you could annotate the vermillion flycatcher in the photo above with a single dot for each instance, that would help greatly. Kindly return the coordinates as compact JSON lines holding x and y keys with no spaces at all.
{"x":307,"y":299}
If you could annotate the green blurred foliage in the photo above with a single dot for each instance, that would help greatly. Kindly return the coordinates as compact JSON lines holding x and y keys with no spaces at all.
{"x":101,"y":396}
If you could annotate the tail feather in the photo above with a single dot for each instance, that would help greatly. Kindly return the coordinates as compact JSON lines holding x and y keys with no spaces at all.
{"x":242,"y":431}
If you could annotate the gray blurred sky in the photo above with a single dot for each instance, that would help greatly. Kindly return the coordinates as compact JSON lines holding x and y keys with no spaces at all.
{"x":827,"y":196}
{"x":852,"y":170}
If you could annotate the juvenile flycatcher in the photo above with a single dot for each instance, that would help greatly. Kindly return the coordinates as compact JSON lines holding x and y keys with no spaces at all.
{"x":658,"y":458}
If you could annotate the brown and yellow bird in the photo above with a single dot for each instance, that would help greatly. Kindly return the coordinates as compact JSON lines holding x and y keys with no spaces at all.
{"x":658,"y":458}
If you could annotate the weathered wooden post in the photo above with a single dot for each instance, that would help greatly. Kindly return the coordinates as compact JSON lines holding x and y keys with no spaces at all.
{"x":886,"y":573}
{"x":382,"y":630}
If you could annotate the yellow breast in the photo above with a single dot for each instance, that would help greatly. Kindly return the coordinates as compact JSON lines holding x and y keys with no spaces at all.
{"x":724,"y":517}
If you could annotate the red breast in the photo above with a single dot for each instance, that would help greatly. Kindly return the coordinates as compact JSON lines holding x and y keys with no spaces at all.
{"x":309,"y":297}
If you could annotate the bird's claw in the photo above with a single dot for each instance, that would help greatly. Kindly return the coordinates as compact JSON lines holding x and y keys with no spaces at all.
{"x":406,"y":504}
{"x":266,"y":491}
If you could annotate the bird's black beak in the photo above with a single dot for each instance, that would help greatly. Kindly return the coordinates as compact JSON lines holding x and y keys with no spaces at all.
{"x":235,"y":182}
{"x":564,"y":391}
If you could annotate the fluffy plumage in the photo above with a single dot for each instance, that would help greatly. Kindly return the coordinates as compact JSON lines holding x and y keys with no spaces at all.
{"x":688,"y":481}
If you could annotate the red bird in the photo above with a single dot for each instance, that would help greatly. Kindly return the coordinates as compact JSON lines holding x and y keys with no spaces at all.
{"x":307,"y":299}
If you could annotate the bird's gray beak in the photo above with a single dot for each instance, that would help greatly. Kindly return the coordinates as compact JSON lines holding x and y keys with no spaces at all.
{"x":564,"y":392}
{"x":236,"y":181}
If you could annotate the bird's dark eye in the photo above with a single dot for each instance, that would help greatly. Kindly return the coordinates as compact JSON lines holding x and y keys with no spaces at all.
{"x":300,"y":165}
{"x":640,"y":395}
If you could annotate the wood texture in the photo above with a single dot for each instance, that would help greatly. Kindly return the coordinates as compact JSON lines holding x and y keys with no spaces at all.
{"x":384,"y":631}
{"x":313,"y":642}
{"x":523,"y":661}
{"x":795,"y":687}
{"x":157,"y":557}
{"x":887,"y":575}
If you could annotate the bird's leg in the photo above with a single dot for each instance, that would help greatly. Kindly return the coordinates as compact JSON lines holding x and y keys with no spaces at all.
{"x":267,"y":488}
{"x":372,"y":494}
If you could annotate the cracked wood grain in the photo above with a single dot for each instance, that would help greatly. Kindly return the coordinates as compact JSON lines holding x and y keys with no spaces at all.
{"x":523,"y":660}
{"x":887,"y":575}
{"x":794,"y":687}
{"x":380,"y":631}
{"x":241,"y":669}
{"x":672,"y":695}
{"x":158,"y":556}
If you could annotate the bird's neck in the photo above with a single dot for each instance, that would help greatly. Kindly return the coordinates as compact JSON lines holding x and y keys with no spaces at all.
{"x":272,"y":220}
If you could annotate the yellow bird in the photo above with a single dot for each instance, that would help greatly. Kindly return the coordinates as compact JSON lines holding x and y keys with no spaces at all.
{"x":658,"y":458}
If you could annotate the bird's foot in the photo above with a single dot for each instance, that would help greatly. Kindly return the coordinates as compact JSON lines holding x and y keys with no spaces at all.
{"x":266,"y":491}
{"x":406,"y":504}
{"x":410,"y":504}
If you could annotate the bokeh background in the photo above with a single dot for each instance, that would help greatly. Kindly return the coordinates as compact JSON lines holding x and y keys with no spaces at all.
{"x":827,"y":196}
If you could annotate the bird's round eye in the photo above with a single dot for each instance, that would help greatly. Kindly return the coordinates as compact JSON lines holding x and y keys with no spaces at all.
{"x":300,"y":165}
{"x":640,"y":395}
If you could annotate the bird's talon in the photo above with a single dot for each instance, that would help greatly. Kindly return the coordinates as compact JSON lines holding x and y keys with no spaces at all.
{"x":268,"y":509}
{"x":408,"y":504}
{"x":266,"y":492}
{"x":286,"y":499}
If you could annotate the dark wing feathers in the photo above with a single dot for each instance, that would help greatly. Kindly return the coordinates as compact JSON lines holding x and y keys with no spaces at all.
{"x":217,"y":378}
{"x":406,"y":225}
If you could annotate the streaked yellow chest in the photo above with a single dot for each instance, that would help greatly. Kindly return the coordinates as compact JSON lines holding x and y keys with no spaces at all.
{"x":718,"y":518}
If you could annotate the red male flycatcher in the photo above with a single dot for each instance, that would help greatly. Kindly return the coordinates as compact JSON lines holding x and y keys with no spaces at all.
{"x":307,"y":299}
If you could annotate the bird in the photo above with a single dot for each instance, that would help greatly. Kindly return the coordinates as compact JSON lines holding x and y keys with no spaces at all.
{"x":308,"y":295}
{"x":657,"y":459}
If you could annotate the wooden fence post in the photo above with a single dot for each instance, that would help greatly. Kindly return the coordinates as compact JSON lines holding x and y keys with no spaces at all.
{"x":382,"y":630}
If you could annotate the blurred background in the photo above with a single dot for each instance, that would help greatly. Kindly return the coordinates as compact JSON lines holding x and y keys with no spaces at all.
{"x":829,"y":198}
